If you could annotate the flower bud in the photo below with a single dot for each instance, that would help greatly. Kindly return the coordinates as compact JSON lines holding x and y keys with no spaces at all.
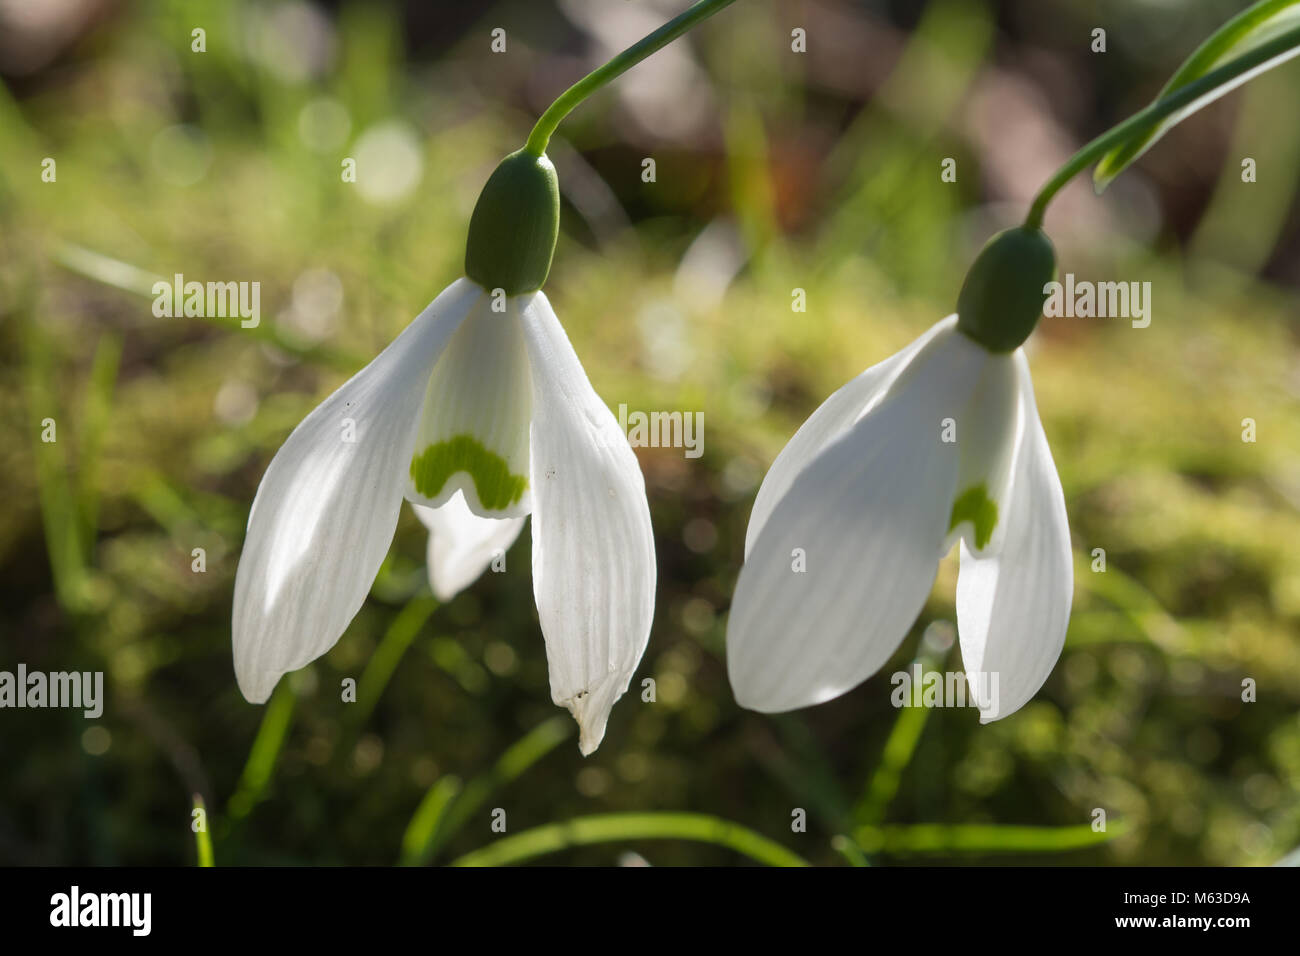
{"x":1002,"y":298}
{"x":515,"y":223}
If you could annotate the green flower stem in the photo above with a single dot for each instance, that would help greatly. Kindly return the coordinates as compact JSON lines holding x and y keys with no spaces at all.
{"x":555,"y":113}
{"x":900,"y":746}
{"x":264,"y":752}
{"x":1145,"y":119}
{"x":401,"y":633}
{"x":202,"y":838}
{"x":617,"y":827}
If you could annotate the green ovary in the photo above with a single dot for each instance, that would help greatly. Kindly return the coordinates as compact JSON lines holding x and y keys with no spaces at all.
{"x":975,"y":505}
{"x":497,"y":488}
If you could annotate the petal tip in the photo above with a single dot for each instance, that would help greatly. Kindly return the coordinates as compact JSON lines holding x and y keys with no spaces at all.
{"x":591,"y":708}
{"x":591,"y":726}
{"x":747,"y":696}
{"x":752,"y":692}
{"x":759,"y":707}
{"x":587,"y":743}
{"x":256,"y":687}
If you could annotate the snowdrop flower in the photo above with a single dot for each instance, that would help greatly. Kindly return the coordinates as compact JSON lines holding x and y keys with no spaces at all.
{"x":479,"y":414}
{"x":937,"y":444}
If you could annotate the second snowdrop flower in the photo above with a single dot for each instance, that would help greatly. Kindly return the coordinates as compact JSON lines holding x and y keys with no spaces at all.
{"x":939,"y":443}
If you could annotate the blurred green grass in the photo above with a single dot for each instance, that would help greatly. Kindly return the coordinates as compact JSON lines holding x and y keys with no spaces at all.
{"x":165,"y":427}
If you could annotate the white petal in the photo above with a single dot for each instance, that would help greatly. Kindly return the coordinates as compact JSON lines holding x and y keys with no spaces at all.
{"x":1013,"y":603}
{"x":462,"y":545}
{"x":832,"y":418}
{"x":870,"y":514}
{"x":325,"y":511}
{"x":987,"y":435}
{"x":593,"y":549}
{"x":473,"y":435}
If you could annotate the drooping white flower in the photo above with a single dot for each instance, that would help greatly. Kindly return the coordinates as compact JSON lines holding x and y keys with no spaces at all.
{"x":479,"y":414}
{"x":481,"y":417}
{"x":852,"y":520}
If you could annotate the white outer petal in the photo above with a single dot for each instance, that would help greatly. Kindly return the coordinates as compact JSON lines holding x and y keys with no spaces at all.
{"x":1013,"y":606}
{"x":832,"y":418}
{"x":325,"y":511}
{"x":870,"y":512}
{"x":462,"y":545}
{"x":593,"y":549}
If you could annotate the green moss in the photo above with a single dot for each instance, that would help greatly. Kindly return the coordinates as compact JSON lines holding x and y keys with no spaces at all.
{"x":975,"y":505}
{"x":497,"y":487}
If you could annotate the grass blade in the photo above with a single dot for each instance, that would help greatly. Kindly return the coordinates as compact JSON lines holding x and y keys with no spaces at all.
{"x":417,"y":842}
{"x":917,"y":839}
{"x":403,"y":630}
{"x":619,"y":827}
{"x":532,"y":747}
{"x":1247,"y":31}
{"x":900,"y":745}
{"x":202,"y":838}
{"x":262,"y":755}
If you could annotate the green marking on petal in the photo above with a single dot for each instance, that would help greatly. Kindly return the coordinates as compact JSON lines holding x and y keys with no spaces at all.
{"x":975,"y":505}
{"x":497,"y":488}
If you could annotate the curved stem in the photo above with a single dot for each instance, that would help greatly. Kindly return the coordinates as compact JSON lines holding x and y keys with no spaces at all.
{"x":616,"y":827}
{"x":1153,"y":114}
{"x":546,"y":125}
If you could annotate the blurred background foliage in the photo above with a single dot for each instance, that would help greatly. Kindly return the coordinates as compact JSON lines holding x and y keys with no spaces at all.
{"x":775,"y":171}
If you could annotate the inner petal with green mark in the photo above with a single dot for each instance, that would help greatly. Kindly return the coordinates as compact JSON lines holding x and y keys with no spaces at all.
{"x":497,"y":488}
{"x":987,"y":428}
{"x":975,"y":506}
{"x":473,"y":434}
